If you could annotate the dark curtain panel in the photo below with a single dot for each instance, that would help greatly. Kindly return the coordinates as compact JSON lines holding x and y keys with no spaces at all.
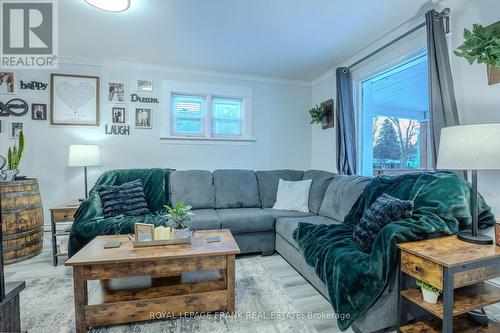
{"x":443,"y":107}
{"x":346,"y":126}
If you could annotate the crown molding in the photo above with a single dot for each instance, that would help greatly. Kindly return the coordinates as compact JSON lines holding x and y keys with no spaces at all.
{"x":119,"y":64}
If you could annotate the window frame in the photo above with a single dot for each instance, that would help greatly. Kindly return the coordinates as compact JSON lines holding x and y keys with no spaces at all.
{"x":173,"y":117}
{"x":209,"y":92}
{"x":379,"y":66}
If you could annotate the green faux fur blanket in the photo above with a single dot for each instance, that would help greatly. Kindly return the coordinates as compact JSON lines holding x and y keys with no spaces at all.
{"x":356,"y":279}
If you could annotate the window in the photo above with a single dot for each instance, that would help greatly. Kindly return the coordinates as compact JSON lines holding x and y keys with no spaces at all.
{"x":188,"y":115}
{"x":206,"y":112}
{"x":395,"y":108}
{"x":226,"y":117}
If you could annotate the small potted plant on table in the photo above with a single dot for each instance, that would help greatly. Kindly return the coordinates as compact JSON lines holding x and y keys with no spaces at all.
{"x":179,"y":216}
{"x":430,"y":293}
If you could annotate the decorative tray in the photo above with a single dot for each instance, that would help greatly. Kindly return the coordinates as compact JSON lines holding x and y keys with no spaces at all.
{"x":161,"y":242}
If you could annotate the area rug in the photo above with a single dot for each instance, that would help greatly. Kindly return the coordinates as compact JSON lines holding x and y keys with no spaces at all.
{"x":262,"y":306}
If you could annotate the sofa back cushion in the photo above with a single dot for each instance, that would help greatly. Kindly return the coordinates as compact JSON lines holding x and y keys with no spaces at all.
{"x":268,"y":183}
{"x":192,"y":187}
{"x":341,"y":195}
{"x":236,"y":189}
{"x":320,"y":181}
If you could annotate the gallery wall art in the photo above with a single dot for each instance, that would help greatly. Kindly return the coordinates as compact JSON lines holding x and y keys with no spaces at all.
{"x":74,"y":100}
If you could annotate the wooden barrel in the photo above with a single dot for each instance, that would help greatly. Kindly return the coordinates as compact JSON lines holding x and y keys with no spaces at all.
{"x":22,"y":220}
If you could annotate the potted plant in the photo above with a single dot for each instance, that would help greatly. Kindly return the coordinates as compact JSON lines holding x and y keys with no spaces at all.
{"x":482,"y":45}
{"x":14,"y":156}
{"x":430,"y":293}
{"x":179,"y":216}
{"x":319,"y":115}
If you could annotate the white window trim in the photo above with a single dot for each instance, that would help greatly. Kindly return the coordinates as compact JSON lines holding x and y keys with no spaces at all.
{"x":194,"y":88}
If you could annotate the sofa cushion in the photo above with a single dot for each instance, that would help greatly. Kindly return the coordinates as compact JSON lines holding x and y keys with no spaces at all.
{"x":320,"y":181}
{"x":125,"y":199}
{"x":293,"y":195}
{"x":192,"y":187}
{"x":386,"y":209}
{"x":236,"y":189}
{"x":341,"y":195}
{"x":286,"y":225}
{"x":204,"y":219}
{"x":240,"y":220}
{"x":268,"y":183}
{"x":285,"y":213}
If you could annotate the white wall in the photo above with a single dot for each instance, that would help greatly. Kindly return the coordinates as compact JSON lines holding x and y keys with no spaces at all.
{"x":477,"y":102}
{"x":280,"y":128}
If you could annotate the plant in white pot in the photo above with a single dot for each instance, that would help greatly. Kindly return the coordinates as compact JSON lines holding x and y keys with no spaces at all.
{"x":179,"y":216}
{"x":430,"y":293}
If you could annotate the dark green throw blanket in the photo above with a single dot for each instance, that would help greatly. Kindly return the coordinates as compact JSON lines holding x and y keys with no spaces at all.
{"x":356,"y":279}
{"x":89,"y":218}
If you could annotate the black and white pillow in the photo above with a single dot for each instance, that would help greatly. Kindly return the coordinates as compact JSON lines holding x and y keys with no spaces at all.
{"x":384,"y":210}
{"x":126,"y":199}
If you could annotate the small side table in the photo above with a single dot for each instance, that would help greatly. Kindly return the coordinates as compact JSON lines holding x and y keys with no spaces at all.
{"x":59,"y":214}
{"x":459,"y":269}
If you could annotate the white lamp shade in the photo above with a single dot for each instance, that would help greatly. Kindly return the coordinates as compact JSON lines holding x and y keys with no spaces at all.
{"x":84,"y":155}
{"x":470,"y":147}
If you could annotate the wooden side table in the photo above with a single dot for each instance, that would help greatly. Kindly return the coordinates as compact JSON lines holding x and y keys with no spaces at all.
{"x":64,"y":213}
{"x":459,"y":269}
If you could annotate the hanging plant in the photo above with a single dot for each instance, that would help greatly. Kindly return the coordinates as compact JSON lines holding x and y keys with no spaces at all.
{"x":482,"y":45}
{"x":319,"y":114}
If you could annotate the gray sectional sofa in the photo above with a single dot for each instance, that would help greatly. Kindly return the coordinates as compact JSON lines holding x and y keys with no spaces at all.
{"x":242,"y":201}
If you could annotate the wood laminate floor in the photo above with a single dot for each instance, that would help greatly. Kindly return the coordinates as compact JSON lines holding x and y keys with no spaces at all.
{"x":306,"y":298}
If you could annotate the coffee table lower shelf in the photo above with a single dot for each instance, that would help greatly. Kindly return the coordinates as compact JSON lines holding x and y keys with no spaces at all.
{"x":128,"y":300}
{"x":460,"y":324}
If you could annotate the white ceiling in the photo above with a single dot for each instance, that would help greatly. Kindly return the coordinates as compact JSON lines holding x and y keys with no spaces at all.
{"x":291,"y":39}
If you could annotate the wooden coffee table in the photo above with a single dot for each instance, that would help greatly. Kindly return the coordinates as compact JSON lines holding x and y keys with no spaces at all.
{"x":172,"y":280}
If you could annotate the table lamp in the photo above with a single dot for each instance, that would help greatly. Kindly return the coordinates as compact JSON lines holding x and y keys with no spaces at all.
{"x":471,"y":147}
{"x":84,"y":156}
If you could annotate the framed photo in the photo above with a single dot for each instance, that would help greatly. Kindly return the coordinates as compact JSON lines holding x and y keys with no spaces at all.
{"x":7,"y":83}
{"x":74,"y":100}
{"x":144,"y":232}
{"x":144,"y":85}
{"x":116,"y":92}
{"x":39,"y":111}
{"x":15,"y":130}
{"x":118,"y":115}
{"x":143,"y":118}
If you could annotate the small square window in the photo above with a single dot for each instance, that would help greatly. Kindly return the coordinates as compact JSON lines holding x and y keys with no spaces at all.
{"x":188,"y":116}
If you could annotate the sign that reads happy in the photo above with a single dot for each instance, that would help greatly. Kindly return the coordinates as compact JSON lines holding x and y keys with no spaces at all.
{"x":33,"y":85}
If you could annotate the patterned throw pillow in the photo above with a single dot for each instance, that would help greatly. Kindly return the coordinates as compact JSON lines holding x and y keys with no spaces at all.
{"x":126,"y":199}
{"x":384,"y":210}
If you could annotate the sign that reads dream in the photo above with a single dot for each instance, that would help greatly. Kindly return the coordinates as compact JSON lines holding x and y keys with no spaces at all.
{"x":29,"y":34}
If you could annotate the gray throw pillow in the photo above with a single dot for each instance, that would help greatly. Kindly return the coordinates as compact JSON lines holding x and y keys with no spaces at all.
{"x":384,"y":210}
{"x":126,"y":199}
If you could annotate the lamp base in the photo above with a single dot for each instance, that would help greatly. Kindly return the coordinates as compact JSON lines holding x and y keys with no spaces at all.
{"x":466,"y":236}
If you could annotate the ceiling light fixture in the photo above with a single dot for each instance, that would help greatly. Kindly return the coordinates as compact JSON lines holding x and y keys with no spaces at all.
{"x":110,"y":5}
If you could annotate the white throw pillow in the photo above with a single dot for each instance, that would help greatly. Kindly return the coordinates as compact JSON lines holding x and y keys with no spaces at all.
{"x":293,"y":195}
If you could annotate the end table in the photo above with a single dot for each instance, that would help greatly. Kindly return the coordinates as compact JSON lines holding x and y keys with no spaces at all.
{"x":61,"y":214}
{"x":460,"y":270}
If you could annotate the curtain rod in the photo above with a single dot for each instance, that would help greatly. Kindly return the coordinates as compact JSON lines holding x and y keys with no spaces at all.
{"x":445,"y":14}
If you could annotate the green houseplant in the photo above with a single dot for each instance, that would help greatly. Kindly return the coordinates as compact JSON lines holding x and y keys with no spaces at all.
{"x":14,"y":155}
{"x":180,"y":216}
{"x":482,"y":45}
{"x":429,"y":293}
{"x":319,"y":114}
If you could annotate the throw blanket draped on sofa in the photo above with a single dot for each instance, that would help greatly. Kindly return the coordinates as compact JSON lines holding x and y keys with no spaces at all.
{"x":356,"y":279}
{"x":89,"y":218}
